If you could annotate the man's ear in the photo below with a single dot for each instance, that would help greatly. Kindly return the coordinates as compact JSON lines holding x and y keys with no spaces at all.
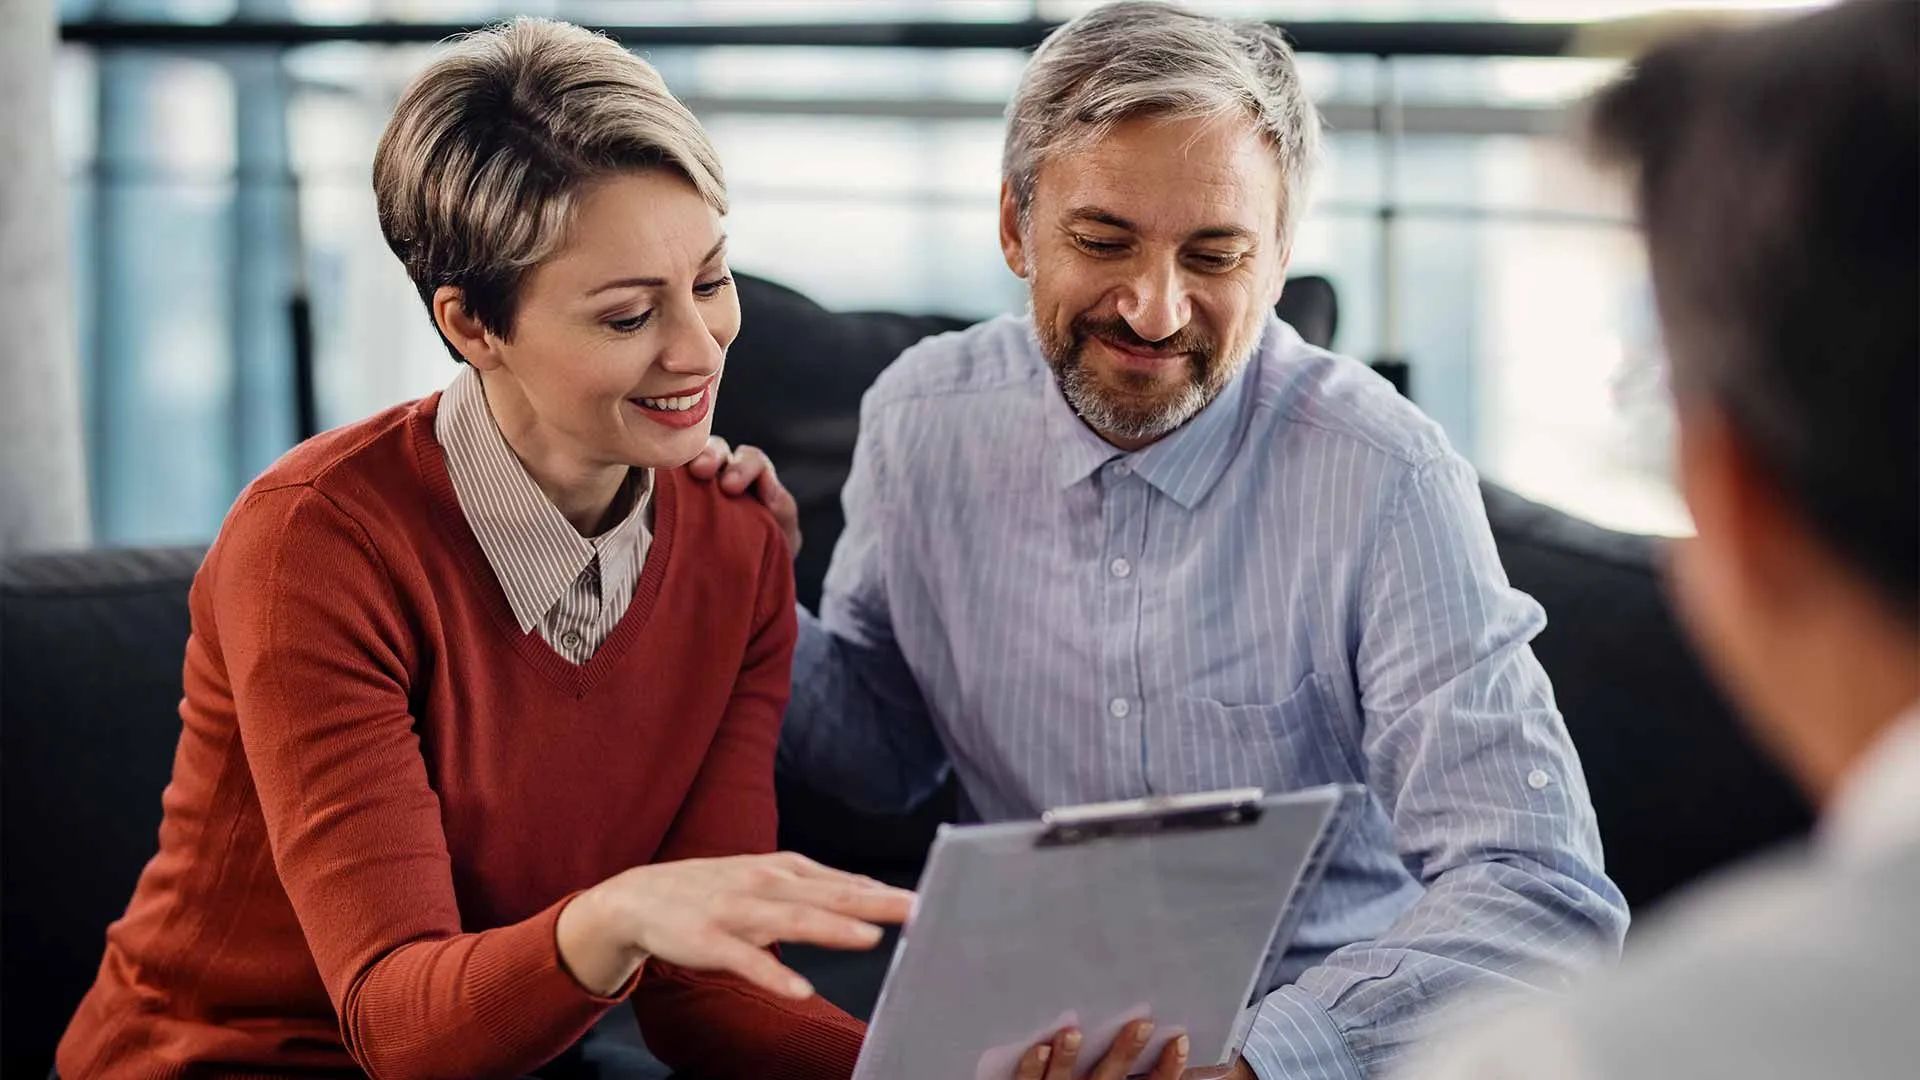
{"x":469,"y":336}
{"x":1739,"y":511}
{"x":1013,"y":244}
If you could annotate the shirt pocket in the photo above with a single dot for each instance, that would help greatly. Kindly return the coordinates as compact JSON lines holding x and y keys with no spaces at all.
{"x":1303,"y":740}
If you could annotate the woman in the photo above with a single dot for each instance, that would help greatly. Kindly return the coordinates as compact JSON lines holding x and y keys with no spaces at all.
{"x":482,"y":692}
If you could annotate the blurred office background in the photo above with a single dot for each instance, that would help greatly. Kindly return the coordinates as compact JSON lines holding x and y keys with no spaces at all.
{"x":216,"y":155}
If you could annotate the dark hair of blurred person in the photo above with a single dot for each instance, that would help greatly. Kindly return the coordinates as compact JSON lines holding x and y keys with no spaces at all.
{"x":1776,"y":171}
{"x":1776,"y":175}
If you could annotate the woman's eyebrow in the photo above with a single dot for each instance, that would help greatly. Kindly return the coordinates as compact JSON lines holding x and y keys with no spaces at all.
{"x":652,"y":282}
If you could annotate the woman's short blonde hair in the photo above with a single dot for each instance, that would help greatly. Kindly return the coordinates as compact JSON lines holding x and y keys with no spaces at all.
{"x":477,"y":171}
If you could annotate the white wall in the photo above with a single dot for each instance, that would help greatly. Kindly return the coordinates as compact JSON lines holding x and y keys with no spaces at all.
{"x":43,"y":494}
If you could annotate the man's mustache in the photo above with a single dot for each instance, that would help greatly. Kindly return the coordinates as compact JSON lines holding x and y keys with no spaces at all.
{"x":1187,"y":339}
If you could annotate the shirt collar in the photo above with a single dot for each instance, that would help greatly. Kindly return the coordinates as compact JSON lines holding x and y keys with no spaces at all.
{"x":533,"y":550}
{"x":1877,"y":809}
{"x":1076,"y":451}
{"x":1185,"y":464}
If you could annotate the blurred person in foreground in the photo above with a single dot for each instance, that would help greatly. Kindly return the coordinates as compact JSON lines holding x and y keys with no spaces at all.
{"x":1777,"y":172}
{"x":1143,"y":539}
{"x":482,"y":693}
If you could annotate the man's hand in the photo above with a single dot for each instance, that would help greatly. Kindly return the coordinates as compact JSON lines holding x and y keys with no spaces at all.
{"x":1058,"y":1059}
{"x":749,"y":468}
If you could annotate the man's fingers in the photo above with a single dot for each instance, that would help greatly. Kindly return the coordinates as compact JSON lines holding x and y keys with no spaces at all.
{"x":781,"y":503}
{"x":746,"y":467}
{"x":772,"y":492}
{"x":1066,"y":1053}
{"x":708,"y":462}
{"x":1173,"y":1060}
{"x":1118,"y":1062}
{"x":1033,"y":1063}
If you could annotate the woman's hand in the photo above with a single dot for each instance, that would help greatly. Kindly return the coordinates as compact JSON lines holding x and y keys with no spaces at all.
{"x":1058,"y":1058}
{"x":720,"y":915}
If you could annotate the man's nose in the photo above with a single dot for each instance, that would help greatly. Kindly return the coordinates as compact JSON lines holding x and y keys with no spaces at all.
{"x":1155,"y":302}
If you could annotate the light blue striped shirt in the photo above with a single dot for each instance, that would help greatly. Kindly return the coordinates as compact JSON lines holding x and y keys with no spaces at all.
{"x":1297,"y":587}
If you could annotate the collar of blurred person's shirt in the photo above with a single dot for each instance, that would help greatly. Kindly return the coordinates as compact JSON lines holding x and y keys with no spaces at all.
{"x":1877,"y":809}
{"x":534,"y":551}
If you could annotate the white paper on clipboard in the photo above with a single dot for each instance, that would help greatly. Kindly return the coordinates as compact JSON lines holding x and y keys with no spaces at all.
{"x":1025,"y":927}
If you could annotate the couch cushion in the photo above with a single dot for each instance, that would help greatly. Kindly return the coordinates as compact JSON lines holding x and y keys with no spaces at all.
{"x":1678,"y":785}
{"x":794,"y":379}
{"x":91,"y":646}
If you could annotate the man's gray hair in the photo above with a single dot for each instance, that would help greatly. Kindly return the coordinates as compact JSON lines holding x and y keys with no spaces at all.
{"x":1138,"y":58}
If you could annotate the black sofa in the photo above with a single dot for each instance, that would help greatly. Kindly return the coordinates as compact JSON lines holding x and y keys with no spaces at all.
{"x":91,"y":642}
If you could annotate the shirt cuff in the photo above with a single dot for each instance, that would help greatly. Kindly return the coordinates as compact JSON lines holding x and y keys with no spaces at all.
{"x":1293,"y":1038}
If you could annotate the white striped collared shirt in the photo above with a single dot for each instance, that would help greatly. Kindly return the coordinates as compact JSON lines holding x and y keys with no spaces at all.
{"x":573,"y":589}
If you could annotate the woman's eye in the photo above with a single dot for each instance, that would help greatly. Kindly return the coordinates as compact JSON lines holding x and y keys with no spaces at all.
{"x":630,"y":324}
{"x":706,"y":290}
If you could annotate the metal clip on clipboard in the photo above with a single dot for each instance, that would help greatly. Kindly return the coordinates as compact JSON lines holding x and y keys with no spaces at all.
{"x":1159,"y":814}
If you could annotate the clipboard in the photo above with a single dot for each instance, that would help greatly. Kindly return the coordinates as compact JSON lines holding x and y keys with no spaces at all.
{"x":1176,"y":907}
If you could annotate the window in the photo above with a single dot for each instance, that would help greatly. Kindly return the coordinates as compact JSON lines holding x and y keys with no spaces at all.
{"x":210,"y":184}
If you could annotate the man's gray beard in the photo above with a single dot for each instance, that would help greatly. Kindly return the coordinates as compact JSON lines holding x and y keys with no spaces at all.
{"x":1117,"y":420}
{"x":1082,"y":389}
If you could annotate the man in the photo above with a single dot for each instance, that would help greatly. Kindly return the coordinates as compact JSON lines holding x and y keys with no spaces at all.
{"x":1778,"y":171}
{"x":1145,"y":540}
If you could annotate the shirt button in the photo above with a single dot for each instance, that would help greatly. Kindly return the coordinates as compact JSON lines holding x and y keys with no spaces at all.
{"x":571,"y":639}
{"x":1120,"y":567}
{"x":1120,"y":468}
{"x":1119,"y":708}
{"x":1538,"y":779}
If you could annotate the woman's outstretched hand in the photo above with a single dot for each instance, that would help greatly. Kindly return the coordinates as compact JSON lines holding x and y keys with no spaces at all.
{"x":720,"y":915}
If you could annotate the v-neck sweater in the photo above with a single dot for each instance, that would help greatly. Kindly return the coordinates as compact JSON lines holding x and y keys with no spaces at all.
{"x":386,"y":792}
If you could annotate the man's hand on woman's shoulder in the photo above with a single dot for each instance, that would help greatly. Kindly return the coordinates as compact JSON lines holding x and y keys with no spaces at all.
{"x":749,"y":469}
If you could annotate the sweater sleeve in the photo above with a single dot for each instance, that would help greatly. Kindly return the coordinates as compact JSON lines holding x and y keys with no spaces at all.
{"x":716,"y":1024}
{"x":317,"y":650}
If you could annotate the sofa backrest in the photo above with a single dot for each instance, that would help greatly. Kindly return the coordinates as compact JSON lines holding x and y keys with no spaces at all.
{"x":1679,"y":786}
{"x":91,"y":646}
